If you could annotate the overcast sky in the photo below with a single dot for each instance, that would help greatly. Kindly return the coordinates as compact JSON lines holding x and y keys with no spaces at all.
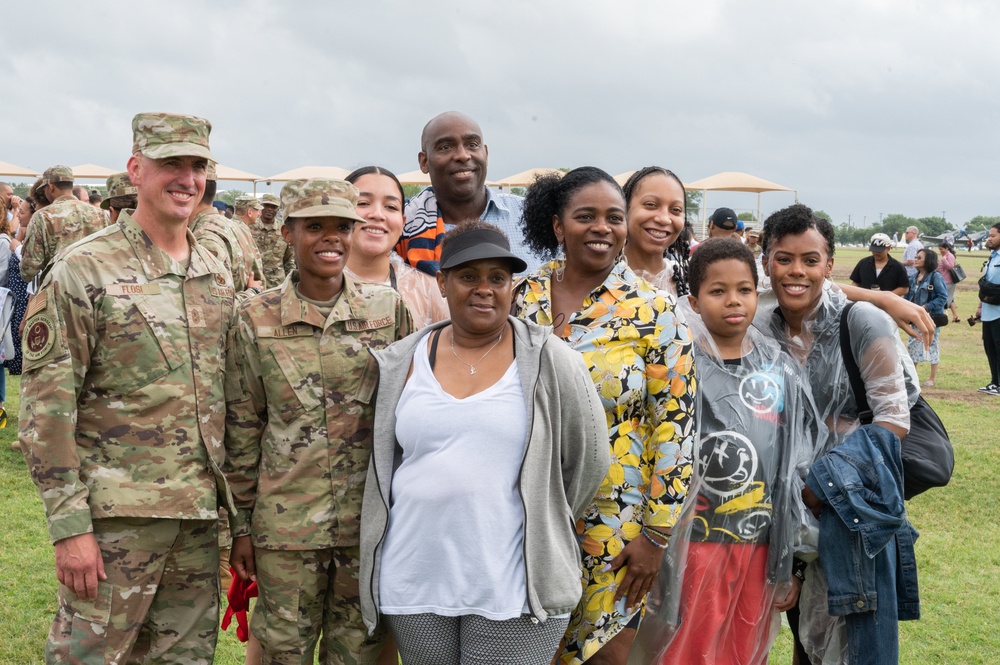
{"x":863,"y":106}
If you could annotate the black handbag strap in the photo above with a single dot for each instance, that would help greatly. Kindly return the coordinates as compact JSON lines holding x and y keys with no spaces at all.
{"x":853,"y":372}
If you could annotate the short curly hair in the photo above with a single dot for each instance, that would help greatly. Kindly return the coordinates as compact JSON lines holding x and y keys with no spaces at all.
{"x":794,"y":220}
{"x":547,"y":197}
{"x":714,"y":250}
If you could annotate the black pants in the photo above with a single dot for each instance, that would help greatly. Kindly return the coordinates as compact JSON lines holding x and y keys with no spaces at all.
{"x":991,"y":343}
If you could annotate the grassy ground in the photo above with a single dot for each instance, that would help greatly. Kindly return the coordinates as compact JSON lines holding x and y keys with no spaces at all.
{"x":959,"y":559}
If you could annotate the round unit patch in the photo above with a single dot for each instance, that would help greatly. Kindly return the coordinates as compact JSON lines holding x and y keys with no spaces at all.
{"x":39,"y":337}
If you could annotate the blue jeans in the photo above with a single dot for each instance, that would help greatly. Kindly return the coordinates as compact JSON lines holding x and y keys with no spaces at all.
{"x":873,"y":637}
{"x":3,"y":385}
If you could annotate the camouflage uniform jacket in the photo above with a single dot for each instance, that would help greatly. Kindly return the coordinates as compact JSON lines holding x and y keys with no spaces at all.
{"x":122,"y":396}
{"x":58,"y":225}
{"x":215,"y":236}
{"x":251,"y":255}
{"x":300,"y":436}
{"x":218,"y":235}
{"x":275,"y":253}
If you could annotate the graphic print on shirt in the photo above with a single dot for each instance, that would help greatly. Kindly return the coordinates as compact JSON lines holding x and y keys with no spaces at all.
{"x":734,"y":499}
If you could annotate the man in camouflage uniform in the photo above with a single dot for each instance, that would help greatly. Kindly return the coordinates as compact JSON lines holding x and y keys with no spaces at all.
{"x":299,"y":429}
{"x":274,"y":251}
{"x":121,"y":195}
{"x":241,"y":231}
{"x":248,"y":209}
{"x":122,"y":416}
{"x":57,"y":225}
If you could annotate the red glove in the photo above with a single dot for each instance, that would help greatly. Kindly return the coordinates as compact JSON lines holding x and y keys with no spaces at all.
{"x":239,"y":595}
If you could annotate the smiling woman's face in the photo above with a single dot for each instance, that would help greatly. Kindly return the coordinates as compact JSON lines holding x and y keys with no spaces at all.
{"x":479,"y":294}
{"x":592,"y":227}
{"x":380,"y":203}
{"x":798,"y":265}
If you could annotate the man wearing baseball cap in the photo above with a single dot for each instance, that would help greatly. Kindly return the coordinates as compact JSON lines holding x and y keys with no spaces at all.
{"x":722,"y":223}
{"x":298,"y":472}
{"x":274,"y":251}
{"x":248,"y":209}
{"x":121,"y":195}
{"x":60,"y":224}
{"x":880,"y":271}
{"x":123,"y":416}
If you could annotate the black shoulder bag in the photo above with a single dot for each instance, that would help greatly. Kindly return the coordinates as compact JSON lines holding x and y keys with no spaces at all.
{"x":928,"y":458}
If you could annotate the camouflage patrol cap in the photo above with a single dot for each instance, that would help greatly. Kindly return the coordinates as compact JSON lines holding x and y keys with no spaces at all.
{"x":320,"y":197}
{"x":210,"y":172}
{"x":119,"y":184}
{"x":57,"y":173}
{"x":159,"y":135}
{"x":248,"y":201}
{"x":270,"y":199}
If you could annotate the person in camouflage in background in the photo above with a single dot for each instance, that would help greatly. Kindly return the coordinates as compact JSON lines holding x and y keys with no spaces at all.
{"x":123,"y":417}
{"x":216,"y":233}
{"x":57,"y":225}
{"x":247,"y":209}
{"x":241,"y":231}
{"x":121,"y":195}
{"x":298,"y":432}
{"x":275,"y":253}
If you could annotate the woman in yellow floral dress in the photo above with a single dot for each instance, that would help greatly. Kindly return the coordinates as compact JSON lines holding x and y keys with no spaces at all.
{"x":639,"y":355}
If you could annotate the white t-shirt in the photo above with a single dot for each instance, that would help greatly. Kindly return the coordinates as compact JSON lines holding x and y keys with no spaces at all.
{"x":455,"y":540}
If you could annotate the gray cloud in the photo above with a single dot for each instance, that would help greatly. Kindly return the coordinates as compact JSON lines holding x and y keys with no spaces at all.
{"x":863,"y":106}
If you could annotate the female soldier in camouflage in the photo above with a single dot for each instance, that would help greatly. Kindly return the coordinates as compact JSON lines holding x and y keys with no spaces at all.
{"x":299,"y":432}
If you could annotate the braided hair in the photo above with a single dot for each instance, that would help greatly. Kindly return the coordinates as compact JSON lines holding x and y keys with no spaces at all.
{"x":680,"y":249}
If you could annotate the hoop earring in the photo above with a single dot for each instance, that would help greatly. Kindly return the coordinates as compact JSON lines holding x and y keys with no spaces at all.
{"x":560,"y":272}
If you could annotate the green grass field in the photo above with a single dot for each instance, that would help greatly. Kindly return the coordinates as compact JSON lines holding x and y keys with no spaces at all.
{"x":959,"y":558}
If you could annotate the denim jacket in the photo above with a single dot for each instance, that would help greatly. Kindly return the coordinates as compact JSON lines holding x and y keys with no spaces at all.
{"x":861,"y":483}
{"x":931,"y":292}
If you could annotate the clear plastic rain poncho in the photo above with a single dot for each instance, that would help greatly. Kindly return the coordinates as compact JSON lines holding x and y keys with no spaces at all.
{"x":418,"y":290}
{"x":891,"y":389}
{"x":730,"y":555}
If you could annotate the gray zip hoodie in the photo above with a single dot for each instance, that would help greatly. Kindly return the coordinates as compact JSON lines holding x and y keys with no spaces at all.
{"x":566,"y":458}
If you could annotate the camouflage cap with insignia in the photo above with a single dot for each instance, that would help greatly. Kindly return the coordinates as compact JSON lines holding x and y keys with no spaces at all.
{"x":320,"y":197}
{"x":119,"y":185}
{"x":249,"y":201}
{"x":210,"y":172}
{"x":270,"y":199}
{"x":57,"y":173}
{"x":159,"y":135}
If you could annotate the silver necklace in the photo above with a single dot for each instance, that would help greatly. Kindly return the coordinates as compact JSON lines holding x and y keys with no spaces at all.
{"x":472,"y":367}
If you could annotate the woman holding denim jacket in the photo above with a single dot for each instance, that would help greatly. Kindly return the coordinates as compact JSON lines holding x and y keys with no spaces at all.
{"x":804,"y":315}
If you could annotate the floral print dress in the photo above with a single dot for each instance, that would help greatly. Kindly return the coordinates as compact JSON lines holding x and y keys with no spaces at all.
{"x":640,"y":358}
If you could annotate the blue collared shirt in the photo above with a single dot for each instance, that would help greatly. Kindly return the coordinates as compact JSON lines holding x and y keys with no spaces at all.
{"x":992,"y":274}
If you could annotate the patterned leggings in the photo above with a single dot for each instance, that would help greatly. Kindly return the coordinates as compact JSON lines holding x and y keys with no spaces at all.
{"x":431,"y":639}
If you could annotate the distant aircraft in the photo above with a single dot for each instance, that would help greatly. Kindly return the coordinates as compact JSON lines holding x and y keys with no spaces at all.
{"x":962,"y":234}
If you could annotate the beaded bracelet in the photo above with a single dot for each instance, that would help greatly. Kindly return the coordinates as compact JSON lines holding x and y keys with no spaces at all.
{"x":662,"y":546}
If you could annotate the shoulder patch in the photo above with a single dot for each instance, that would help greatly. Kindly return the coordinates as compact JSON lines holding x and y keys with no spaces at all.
{"x":39,"y":337}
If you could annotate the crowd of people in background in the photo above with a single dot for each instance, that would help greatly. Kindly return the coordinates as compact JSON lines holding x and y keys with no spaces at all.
{"x":465,"y":427}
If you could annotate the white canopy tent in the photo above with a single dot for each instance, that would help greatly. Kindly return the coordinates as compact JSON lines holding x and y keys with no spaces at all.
{"x":526,"y":178}
{"x":734,"y":181}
